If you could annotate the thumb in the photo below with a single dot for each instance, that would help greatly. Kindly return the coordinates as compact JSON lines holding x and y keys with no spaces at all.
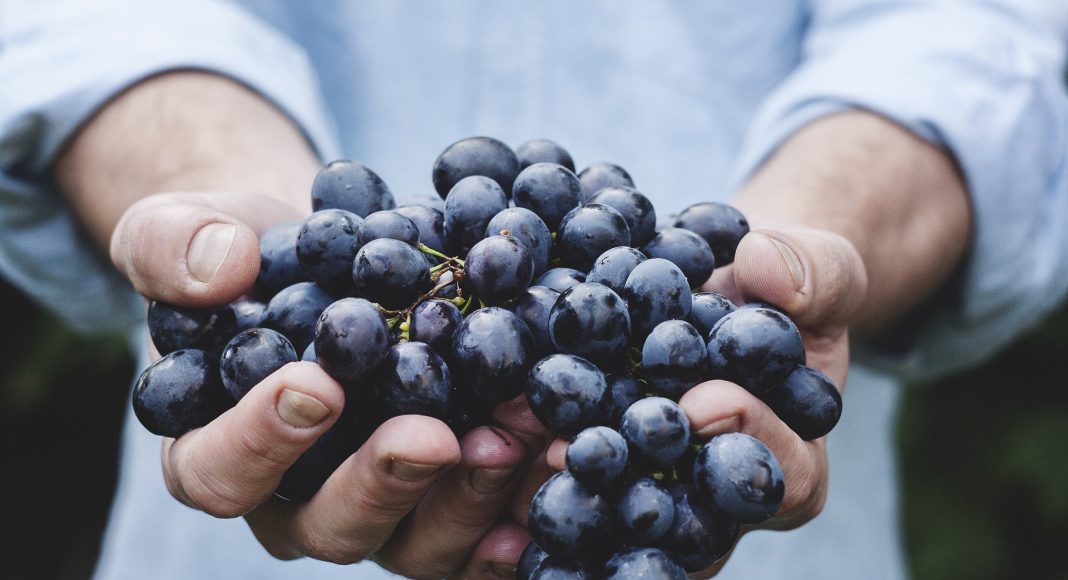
{"x":194,"y":249}
{"x":816,"y":276}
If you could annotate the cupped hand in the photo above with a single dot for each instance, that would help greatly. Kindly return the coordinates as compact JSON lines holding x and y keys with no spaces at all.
{"x":413,"y":497}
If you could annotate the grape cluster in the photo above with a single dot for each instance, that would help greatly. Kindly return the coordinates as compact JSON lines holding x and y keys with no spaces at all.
{"x":528,"y":280}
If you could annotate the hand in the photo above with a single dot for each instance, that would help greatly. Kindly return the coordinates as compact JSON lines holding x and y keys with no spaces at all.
{"x":413,"y":498}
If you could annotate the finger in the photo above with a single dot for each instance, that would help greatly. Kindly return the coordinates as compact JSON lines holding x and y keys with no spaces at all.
{"x":458,"y":511}
{"x":717,"y":407}
{"x":194,"y":249}
{"x":556,"y":455}
{"x":497,"y":555}
{"x":234,"y":463}
{"x":816,"y":276}
{"x":517,"y":417}
{"x":360,"y":505}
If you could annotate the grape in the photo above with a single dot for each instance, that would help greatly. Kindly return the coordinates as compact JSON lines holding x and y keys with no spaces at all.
{"x":686,"y":250}
{"x":656,"y":290}
{"x":483,"y":156}
{"x":528,"y":228}
{"x":707,"y":309}
{"x":543,"y":151}
{"x":623,"y":391}
{"x":738,"y":476}
{"x":351,"y":186}
{"x":674,"y":358}
{"x":756,"y":348}
{"x":588,"y":231}
{"x":569,"y":520}
{"x":309,"y":353}
{"x":434,"y":322}
{"x":533,"y":307}
{"x":643,"y":563}
{"x":548,"y":190}
{"x":645,"y":512}
{"x":657,"y":432}
{"x":591,"y":321}
{"x":470,"y":206}
{"x":597,"y":456}
{"x":251,"y":356}
{"x":560,"y":279}
{"x":390,"y":272}
{"x":351,"y":338}
{"x":492,"y":352}
{"x":634,"y":207}
{"x":807,"y":401}
{"x":175,"y":327}
{"x":498,"y":269}
{"x":326,"y":246}
{"x":719,"y":224}
{"x":567,"y":394}
{"x":614,"y":266}
{"x":294,"y":312}
{"x":698,"y":537}
{"x":279,"y":265}
{"x":314,"y":466}
{"x":601,"y":175}
{"x":431,"y":225}
{"x":248,"y":312}
{"x":532,"y":556}
{"x":413,"y":379}
{"x":180,"y":392}
{"x":553,"y":569}
{"x":387,"y":224}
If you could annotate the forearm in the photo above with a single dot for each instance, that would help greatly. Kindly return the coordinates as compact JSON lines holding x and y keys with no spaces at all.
{"x":899,"y":200}
{"x":183,"y":131}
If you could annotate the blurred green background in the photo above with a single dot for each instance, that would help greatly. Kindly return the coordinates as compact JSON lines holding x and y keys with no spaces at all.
{"x":984,"y":455}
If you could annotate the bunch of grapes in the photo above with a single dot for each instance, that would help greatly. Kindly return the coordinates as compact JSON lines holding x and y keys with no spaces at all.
{"x":528,"y":280}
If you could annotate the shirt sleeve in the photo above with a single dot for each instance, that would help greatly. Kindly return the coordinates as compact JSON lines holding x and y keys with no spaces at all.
{"x":986,"y":81}
{"x":61,"y":61}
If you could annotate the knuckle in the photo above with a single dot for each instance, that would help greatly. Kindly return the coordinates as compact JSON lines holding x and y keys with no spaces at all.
{"x":260,"y":451}
{"x":331,"y":548}
{"x":213,"y":497}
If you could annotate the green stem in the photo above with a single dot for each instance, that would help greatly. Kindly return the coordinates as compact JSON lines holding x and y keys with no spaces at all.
{"x":428,"y":250}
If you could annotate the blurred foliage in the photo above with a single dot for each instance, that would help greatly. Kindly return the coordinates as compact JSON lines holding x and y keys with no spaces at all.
{"x":984,"y":460}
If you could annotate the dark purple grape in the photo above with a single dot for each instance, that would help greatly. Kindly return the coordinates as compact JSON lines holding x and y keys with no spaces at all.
{"x":248,"y":312}
{"x":498,"y":269}
{"x":614,"y":266}
{"x":756,"y":348}
{"x":588,"y":231}
{"x":431,"y":200}
{"x":698,"y":537}
{"x":309,"y":353}
{"x":644,"y":511}
{"x":311,"y":470}
{"x":591,"y":321}
{"x":738,"y":476}
{"x":351,"y":338}
{"x":466,"y":411}
{"x":180,"y":392}
{"x":528,"y":228}
{"x":532,"y":556}
{"x":387,"y":224}
{"x":251,"y":356}
{"x":295,"y":310}
{"x":492,"y":352}
{"x":567,"y":394}
{"x":657,"y":432}
{"x":597,"y":456}
{"x":548,"y":190}
{"x":279,"y":266}
{"x":560,"y":279}
{"x":176,"y":327}
{"x":807,"y":401}
{"x":326,"y":246}
{"x":390,"y":272}
{"x":655,"y":291}
{"x":533,"y":307}
{"x":571,"y":521}
{"x":643,"y":563}
{"x":686,"y":250}
{"x":623,"y":391}
{"x":674,"y":358}
{"x":434,"y":322}
{"x":431,"y":225}
{"x":484,"y":156}
{"x":601,"y":175}
{"x":413,"y":379}
{"x":719,"y":224}
{"x":543,"y":151}
{"x":553,"y":569}
{"x":351,"y":186}
{"x":470,"y":206}
{"x":634,"y":207}
{"x":707,"y":309}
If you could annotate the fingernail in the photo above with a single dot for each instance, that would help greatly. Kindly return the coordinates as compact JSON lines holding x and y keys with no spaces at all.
{"x":487,"y":481}
{"x":208,"y":250}
{"x":725,"y":425}
{"x":503,"y":570}
{"x":412,"y":472}
{"x":300,"y":410}
{"x":792,"y":262}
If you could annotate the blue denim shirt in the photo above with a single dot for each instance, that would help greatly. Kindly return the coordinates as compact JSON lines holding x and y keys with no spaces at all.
{"x":690,"y":97}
